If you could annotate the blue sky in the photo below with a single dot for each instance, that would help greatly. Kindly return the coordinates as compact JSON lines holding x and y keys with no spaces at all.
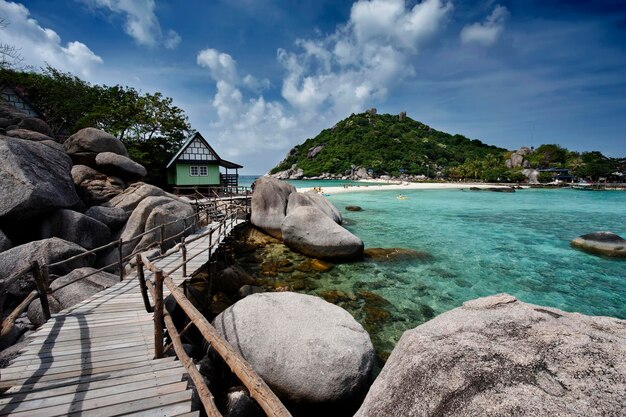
{"x":257,"y":77}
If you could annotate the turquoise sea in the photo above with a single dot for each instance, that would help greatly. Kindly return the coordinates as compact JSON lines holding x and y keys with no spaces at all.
{"x":483,"y":243}
{"x":478,"y":244}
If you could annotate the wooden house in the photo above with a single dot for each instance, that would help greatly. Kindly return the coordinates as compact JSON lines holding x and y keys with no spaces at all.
{"x":13,"y":97}
{"x":197,"y":164}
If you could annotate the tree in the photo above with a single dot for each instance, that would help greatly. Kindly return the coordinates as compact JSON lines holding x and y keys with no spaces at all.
{"x":149,"y":125}
{"x":10,"y":56}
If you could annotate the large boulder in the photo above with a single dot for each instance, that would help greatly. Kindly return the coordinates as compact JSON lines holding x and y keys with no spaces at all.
{"x":36,"y":125}
{"x":113,"y":217}
{"x":306,"y":349}
{"x":34,"y":179}
{"x":135,"y":225}
{"x":269,"y":204}
{"x":47,"y":251}
{"x":73,"y":293}
{"x":119,"y":165}
{"x":75,"y":227}
{"x":5,"y":242}
{"x":94,"y":187}
{"x":601,"y":243}
{"x":308,"y":230}
{"x":84,"y":145}
{"x":172,"y":212}
{"x":498,"y":356}
{"x":134,"y":194}
{"x":28,"y":135}
{"x":313,"y":199}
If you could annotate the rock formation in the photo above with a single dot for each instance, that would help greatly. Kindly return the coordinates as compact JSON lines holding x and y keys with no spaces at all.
{"x":313,"y":199}
{"x":601,"y":243}
{"x":310,"y":231}
{"x":49,"y":251}
{"x":73,"y":293}
{"x":306,"y":349}
{"x":499,"y":356}
{"x":84,"y":145}
{"x":269,"y":204}
{"x":77,"y":228}
{"x":34,"y":179}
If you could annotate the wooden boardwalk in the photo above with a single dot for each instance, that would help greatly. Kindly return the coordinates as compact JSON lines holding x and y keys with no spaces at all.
{"x":97,"y":358}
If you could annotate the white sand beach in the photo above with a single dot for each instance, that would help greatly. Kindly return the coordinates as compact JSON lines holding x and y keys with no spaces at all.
{"x":399,"y":187}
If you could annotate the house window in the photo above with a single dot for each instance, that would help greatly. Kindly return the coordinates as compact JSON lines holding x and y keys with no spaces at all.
{"x":195,"y":171}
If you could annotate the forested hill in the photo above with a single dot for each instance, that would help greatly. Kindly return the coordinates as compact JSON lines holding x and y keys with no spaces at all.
{"x":386,"y":144}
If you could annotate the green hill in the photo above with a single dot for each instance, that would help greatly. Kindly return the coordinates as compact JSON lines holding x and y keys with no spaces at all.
{"x":385,"y":144}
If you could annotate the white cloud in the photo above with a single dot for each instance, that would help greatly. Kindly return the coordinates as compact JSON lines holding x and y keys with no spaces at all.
{"x":172,"y":40}
{"x":141,"y":22}
{"x":243,"y":127}
{"x":488,"y":32}
{"x":363,"y":59}
{"x":325,"y":79}
{"x":39,"y":45}
{"x":221,"y":66}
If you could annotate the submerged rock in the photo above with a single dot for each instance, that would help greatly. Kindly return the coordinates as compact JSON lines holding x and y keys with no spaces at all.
{"x":601,"y":243}
{"x":499,"y":356}
{"x":306,"y":349}
{"x":354,"y":208}
{"x":311,"y":232}
{"x":395,"y":254}
{"x":269,"y":204}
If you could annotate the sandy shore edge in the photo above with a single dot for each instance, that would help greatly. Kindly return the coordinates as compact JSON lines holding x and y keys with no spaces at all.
{"x":399,"y":187}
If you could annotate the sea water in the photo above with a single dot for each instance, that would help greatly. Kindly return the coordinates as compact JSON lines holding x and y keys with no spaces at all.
{"x":481,"y":243}
{"x":247,"y":180}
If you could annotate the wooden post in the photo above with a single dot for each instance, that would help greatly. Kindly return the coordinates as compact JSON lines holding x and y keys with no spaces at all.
{"x":203,"y":391}
{"x":158,"y":314}
{"x":183,"y":249}
{"x":42,"y":289}
{"x":242,"y":369}
{"x":162,"y":238}
{"x":120,"y":257}
{"x":142,"y":285}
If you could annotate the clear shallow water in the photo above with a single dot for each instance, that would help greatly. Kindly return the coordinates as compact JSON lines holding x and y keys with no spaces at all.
{"x":482,"y":243}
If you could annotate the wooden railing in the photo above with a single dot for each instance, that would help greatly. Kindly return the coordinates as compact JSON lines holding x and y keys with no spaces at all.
{"x":258,"y":389}
{"x":40,"y":269}
{"x":214,"y":190}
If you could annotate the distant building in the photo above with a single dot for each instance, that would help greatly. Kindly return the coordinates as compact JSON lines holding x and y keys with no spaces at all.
{"x":14,"y":98}
{"x":197,"y":164}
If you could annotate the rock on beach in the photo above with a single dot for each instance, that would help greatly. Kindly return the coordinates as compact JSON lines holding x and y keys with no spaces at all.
{"x":499,"y":356}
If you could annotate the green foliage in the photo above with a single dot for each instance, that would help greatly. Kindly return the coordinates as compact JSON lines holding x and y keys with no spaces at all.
{"x":548,"y":156}
{"x":149,"y":125}
{"x":387,"y":145}
{"x":594,"y":165}
{"x":545,"y":177}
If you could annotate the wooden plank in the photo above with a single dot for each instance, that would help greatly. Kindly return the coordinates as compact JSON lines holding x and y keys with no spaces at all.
{"x":114,"y":404}
{"x":53,"y":367}
{"x":162,"y":377}
{"x":154,"y":370}
{"x":36,"y":403}
{"x":76,"y":374}
{"x":33,"y":357}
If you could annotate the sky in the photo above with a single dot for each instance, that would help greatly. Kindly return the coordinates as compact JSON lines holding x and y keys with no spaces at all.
{"x":257,"y":77}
